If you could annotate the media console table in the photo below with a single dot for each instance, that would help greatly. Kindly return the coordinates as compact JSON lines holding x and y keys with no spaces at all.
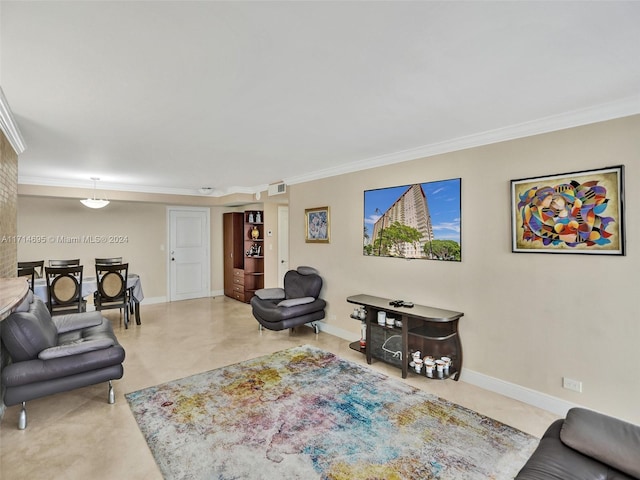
{"x":432,"y":331}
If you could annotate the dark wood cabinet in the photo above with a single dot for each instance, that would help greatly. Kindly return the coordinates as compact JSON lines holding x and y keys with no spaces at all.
{"x":243,"y":254}
{"x":431,"y":331}
{"x":233,"y":226}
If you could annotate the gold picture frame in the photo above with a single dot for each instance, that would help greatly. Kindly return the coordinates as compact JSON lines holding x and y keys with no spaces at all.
{"x":317,"y":225}
{"x":578,"y":212}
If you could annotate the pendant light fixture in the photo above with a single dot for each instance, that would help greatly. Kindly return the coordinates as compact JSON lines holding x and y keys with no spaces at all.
{"x":94,"y":202}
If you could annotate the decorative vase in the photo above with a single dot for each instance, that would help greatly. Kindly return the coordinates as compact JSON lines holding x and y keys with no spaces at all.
{"x":258,"y":218}
{"x":251,"y":218}
{"x":255,"y":233}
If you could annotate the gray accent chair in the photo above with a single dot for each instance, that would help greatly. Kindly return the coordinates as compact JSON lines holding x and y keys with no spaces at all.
{"x":56,"y":354}
{"x":586,"y":445}
{"x":296,"y":304}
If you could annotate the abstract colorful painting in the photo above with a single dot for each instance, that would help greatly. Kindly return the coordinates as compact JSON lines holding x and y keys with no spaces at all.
{"x":579,"y":212}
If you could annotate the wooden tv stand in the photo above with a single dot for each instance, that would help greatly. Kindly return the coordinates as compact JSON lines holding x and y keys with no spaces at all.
{"x":432,"y":331}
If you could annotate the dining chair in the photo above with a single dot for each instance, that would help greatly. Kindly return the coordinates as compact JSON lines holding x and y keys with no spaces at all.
{"x":29,"y":273}
{"x":64,"y":289}
{"x":115,"y":261}
{"x":112,"y":289}
{"x":108,"y":261}
{"x":38,"y":267}
{"x":64,"y":263}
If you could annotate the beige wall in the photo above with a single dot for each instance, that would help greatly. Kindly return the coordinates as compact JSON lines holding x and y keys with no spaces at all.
{"x":64,"y":228}
{"x":271,"y":244}
{"x":8,"y":208}
{"x":529,"y":319}
{"x":139,"y":232}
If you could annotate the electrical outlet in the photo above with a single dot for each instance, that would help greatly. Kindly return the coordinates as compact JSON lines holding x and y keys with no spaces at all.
{"x":571,"y":384}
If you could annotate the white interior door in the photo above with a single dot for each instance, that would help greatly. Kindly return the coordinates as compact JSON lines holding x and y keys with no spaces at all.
{"x":283,"y":244}
{"x":189,"y":246}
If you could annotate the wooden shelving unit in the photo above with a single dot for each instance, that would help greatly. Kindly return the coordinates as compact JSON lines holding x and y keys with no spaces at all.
{"x":253,"y":252}
{"x":243,"y":254}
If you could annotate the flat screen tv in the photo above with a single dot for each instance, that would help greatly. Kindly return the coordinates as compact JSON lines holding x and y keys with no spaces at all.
{"x":417,"y":221}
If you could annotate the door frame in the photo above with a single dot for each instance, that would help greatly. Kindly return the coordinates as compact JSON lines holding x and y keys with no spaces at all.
{"x":205,"y":210}
{"x":283,"y":243}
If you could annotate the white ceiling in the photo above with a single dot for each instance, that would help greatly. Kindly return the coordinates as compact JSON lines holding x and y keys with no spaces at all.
{"x":175,"y":95}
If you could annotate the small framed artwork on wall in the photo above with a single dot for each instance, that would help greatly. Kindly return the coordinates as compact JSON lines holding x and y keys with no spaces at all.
{"x":318,"y":225}
{"x":578,"y":212}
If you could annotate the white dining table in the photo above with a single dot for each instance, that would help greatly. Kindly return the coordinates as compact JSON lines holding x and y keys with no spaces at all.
{"x":90,"y":285}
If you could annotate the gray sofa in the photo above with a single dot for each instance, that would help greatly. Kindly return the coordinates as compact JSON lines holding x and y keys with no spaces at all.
{"x":586,"y":445}
{"x":56,"y":354}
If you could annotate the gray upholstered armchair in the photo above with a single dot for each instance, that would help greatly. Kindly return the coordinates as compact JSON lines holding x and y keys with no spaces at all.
{"x":56,"y":354}
{"x":296,"y":304}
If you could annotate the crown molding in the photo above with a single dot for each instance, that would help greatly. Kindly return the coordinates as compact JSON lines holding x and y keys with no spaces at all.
{"x":122,"y":187}
{"x":71,"y":183}
{"x":599,"y":113}
{"x":9,"y":126}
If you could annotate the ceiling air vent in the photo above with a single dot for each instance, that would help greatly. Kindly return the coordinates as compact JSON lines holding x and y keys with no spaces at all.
{"x":277,"y":189}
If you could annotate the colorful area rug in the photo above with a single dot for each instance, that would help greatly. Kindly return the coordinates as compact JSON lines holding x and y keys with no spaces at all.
{"x":304,"y":413}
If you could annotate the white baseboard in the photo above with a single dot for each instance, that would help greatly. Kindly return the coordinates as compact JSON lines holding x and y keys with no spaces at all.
{"x":527,"y":395}
{"x":147,"y":301}
{"x":164,"y":299}
{"x":508,"y":389}
{"x":152,"y":300}
{"x":336,"y":331}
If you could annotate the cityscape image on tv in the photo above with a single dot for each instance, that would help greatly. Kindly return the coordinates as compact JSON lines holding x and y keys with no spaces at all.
{"x":421,"y":220}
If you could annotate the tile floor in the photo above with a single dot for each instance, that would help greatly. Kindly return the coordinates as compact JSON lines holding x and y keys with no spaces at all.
{"x":78,"y":435}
